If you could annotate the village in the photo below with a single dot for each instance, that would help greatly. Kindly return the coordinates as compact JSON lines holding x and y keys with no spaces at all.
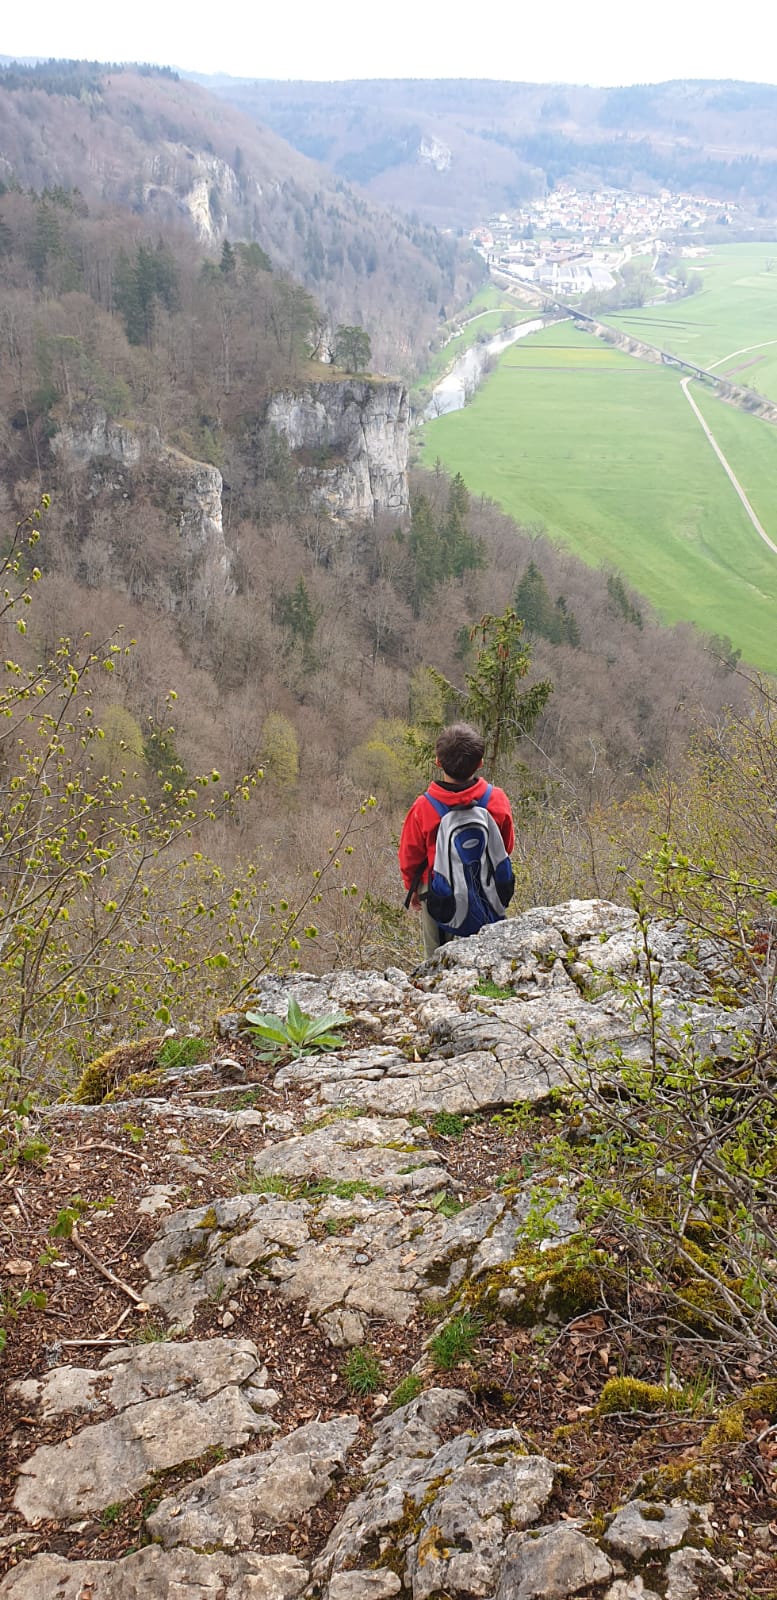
{"x":573,"y":241}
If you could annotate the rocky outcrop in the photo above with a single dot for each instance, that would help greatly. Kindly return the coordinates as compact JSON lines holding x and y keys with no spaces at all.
{"x":352,"y":1215}
{"x":433,"y":153}
{"x":349,"y":437}
{"x":116,"y":458}
{"x":203,"y":187}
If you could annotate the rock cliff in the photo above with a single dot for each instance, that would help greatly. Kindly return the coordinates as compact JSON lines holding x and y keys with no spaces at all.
{"x":349,"y":437}
{"x":115,"y":458}
{"x":353,"y":1219}
{"x":203,"y":187}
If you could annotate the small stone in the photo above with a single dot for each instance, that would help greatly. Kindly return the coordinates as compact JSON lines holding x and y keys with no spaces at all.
{"x":643,"y":1526}
{"x":550,"y":1564}
{"x":227,"y":1321}
{"x":630,"y":1589}
{"x":363,"y":1586}
{"x":686,"y":1571}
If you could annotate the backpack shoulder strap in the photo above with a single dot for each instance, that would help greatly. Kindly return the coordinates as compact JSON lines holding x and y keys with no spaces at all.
{"x":484,"y":798}
{"x":437,"y":805}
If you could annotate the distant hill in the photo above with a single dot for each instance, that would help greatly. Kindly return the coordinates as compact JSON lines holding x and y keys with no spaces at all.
{"x":167,"y":148}
{"x":452,"y":150}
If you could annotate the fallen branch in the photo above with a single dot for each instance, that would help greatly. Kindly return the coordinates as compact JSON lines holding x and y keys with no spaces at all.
{"x":118,"y":1283}
{"x":115,"y":1149}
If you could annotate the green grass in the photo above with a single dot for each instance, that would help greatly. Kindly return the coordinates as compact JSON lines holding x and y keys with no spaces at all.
{"x":363,"y":1371}
{"x":605,"y":452}
{"x":406,"y":1390}
{"x":448,"y":1125}
{"x":456,"y":1342}
{"x":737,"y":307}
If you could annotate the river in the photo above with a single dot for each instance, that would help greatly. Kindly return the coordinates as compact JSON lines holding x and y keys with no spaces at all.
{"x":453,"y":391}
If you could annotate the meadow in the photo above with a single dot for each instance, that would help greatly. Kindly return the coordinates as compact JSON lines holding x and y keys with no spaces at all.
{"x":604,"y":452}
{"x":736,"y":309}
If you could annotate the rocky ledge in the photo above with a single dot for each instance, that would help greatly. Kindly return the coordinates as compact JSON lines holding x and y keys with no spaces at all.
{"x":353,"y":1225}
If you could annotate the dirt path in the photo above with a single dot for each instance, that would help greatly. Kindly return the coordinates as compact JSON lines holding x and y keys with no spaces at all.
{"x":760,"y":530}
{"x":743,"y":352}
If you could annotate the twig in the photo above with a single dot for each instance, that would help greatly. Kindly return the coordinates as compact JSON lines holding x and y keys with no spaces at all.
{"x":131,"y":1155}
{"x":22,"y":1207}
{"x":230,"y":1128}
{"x":98,"y":1343}
{"x":766,"y":1432}
{"x":118,"y":1283}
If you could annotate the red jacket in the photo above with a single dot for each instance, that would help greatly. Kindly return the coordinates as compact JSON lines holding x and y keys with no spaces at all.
{"x":419,"y":830}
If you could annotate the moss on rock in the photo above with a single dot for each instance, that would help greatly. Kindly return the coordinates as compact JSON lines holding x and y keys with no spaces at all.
{"x":116,"y":1069}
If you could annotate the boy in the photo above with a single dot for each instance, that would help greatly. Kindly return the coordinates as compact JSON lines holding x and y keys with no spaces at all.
{"x":459,"y":755}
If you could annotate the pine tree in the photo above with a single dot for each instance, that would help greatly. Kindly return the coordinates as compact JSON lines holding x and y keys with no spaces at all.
{"x":493,"y":702}
{"x":425,"y":548}
{"x":228,"y":260}
{"x":533,"y":604}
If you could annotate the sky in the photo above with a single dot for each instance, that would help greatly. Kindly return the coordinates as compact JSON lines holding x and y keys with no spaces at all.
{"x":601,"y":42}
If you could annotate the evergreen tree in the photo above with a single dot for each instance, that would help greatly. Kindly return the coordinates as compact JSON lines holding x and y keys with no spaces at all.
{"x":569,"y":631}
{"x":141,"y":281}
{"x":620,"y":603}
{"x":299,"y":615}
{"x":253,"y":258}
{"x":460,"y":553}
{"x":533,"y":603}
{"x":46,"y":241}
{"x":493,"y":702}
{"x":425,"y":548}
{"x":540,"y":615}
{"x":228,"y":260}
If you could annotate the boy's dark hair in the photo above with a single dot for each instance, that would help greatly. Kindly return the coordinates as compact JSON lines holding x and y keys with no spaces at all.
{"x":459,"y":750}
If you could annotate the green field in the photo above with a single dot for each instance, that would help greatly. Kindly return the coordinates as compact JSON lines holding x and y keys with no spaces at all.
{"x":737,"y":308}
{"x":605,"y":451}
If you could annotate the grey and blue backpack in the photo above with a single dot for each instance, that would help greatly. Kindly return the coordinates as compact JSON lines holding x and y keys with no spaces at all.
{"x":472,"y":880}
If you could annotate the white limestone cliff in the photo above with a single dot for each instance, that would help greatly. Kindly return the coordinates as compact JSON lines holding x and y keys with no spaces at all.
{"x":350,"y":441}
{"x":115,"y":456}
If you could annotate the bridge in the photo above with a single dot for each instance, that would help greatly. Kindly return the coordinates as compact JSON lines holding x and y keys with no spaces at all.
{"x":637,"y":347}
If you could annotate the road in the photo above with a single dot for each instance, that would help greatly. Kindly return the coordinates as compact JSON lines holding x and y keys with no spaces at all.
{"x":760,"y":530}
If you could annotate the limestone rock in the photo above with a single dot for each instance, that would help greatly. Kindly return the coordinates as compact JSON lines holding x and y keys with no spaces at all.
{"x":212,"y":1248}
{"x":461,"y":1545}
{"x":234,"y":1502}
{"x":350,"y":438}
{"x":443,"y":1513}
{"x":641,"y":1526}
{"x":171,"y":1402}
{"x":385,"y":1152}
{"x":550,"y":1564}
{"x":474,"y":1082}
{"x":114,"y":455}
{"x":155,"y":1572}
{"x":630,"y":1589}
{"x":416,"y":1429}
{"x":360,"y":1585}
{"x":688,"y":1570}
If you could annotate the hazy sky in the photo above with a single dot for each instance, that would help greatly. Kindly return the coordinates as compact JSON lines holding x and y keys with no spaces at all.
{"x":604,"y":42}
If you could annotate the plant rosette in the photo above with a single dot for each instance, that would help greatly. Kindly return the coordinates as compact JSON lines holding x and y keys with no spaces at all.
{"x":297,"y":1034}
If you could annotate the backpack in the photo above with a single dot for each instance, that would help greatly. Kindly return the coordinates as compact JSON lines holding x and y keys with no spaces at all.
{"x":471,"y":881}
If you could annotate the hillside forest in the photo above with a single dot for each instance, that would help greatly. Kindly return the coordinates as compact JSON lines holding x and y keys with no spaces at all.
{"x":324,"y":661}
{"x":454,"y":151}
{"x":142,"y":140}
